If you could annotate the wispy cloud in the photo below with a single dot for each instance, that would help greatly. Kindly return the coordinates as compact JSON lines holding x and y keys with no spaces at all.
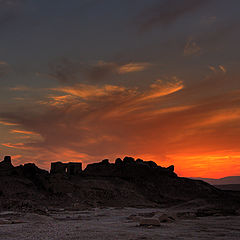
{"x":23,"y":132}
{"x":20,"y":88}
{"x":161,"y":88}
{"x":191,"y":48}
{"x":222,"y":68}
{"x":17,"y":146}
{"x":168,"y":12}
{"x":85,"y":91}
{"x":133,"y":67}
{"x":212,"y":68}
{"x":7,"y":123}
{"x":67,"y":71}
{"x":218,"y":69}
{"x":86,"y":107}
{"x":4,"y":68}
{"x":167,"y":118}
{"x":9,"y":10}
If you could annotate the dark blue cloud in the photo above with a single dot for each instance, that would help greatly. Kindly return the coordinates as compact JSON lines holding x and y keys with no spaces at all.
{"x":169,"y":11}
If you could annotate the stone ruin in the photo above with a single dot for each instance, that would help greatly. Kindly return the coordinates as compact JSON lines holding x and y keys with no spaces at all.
{"x":7,"y":160}
{"x":128,"y":168}
{"x":70,"y":168}
{"x":6,"y":165}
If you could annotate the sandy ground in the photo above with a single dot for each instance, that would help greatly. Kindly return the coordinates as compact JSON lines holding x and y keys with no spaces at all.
{"x":112,"y":223}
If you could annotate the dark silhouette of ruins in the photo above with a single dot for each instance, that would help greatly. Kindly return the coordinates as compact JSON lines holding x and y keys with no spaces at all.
{"x":6,"y":165}
{"x":126,"y":168}
{"x":70,"y":168}
{"x":126,"y":182}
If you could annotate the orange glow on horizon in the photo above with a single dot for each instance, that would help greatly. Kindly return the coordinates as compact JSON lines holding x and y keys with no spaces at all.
{"x":91,"y":122}
{"x":216,"y":165}
{"x":208,"y":166}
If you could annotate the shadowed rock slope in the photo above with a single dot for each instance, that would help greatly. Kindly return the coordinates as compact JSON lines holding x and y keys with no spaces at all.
{"x":126,"y":182}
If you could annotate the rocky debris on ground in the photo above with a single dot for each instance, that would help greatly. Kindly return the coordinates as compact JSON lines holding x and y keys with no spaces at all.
{"x":164,"y":218}
{"x":110,"y":223}
{"x":147,"y":222}
{"x":152,"y":218}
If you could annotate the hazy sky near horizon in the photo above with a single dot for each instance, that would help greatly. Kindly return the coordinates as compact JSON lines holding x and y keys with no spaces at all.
{"x":84,"y":80}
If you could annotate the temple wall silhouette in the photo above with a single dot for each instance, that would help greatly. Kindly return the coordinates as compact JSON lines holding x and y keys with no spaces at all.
{"x":70,"y":168}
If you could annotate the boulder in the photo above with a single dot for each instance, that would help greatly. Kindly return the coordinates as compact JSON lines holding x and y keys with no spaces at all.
{"x":164,"y":218}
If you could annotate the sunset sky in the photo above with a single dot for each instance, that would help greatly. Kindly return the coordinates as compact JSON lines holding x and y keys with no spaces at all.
{"x":84,"y":80}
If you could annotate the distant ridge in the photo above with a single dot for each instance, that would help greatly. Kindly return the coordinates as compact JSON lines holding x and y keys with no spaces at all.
{"x":221,"y":181}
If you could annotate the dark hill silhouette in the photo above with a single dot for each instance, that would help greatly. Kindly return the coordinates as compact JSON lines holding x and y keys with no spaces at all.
{"x":221,"y":181}
{"x":126,"y":182}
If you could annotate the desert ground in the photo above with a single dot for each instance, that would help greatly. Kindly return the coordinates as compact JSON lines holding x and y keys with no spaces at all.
{"x":116,"y":223}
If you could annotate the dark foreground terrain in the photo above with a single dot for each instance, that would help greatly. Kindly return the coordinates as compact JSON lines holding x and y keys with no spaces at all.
{"x":115,"y":223}
{"x":230,"y":187}
{"x":128,"y":199}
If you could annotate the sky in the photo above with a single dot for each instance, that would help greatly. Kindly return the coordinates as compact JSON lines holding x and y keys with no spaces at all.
{"x":85,"y":80}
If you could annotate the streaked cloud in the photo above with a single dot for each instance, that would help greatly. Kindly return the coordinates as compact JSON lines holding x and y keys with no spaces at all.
{"x":212,"y":68}
{"x":191,"y":48}
{"x":168,"y":12}
{"x":67,"y":71}
{"x":4,"y":68}
{"x":217,"y":69}
{"x":161,"y":88}
{"x":166,"y":119}
{"x":88,"y":91}
{"x":20,"y":88}
{"x":23,"y":132}
{"x":17,"y":146}
{"x":133,"y":67}
{"x":222,"y":68}
{"x":7,"y":123}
